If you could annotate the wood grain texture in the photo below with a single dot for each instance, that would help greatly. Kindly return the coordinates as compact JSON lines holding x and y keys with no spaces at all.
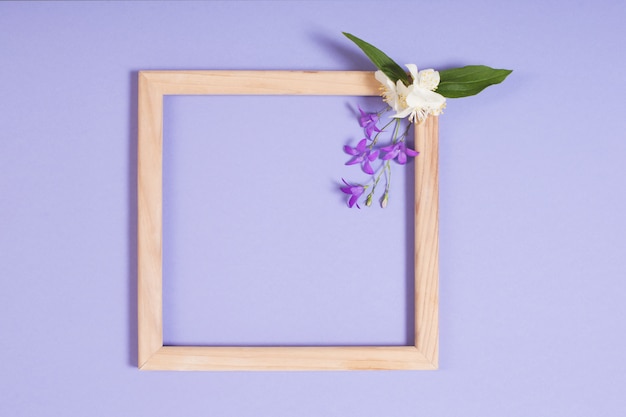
{"x":327,"y":83}
{"x":152,"y":355}
{"x":288,"y":358}
{"x":149,"y":220}
{"x":427,"y":239}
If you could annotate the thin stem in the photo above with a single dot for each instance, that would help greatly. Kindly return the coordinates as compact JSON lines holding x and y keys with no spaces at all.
{"x":395,"y":131}
{"x":378,"y":134}
{"x":406,"y":131}
{"x":387,"y":170}
{"x":378,"y":178}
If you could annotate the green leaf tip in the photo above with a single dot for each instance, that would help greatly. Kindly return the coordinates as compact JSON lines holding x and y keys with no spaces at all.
{"x":469,"y":80}
{"x":387,"y":65}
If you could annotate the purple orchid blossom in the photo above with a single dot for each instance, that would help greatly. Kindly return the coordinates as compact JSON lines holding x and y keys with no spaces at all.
{"x":362,"y":154}
{"x":368,"y":121}
{"x":355,"y":192}
{"x":399,"y":151}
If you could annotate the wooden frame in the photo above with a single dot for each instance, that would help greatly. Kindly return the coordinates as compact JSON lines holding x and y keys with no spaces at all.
{"x":153,"y":85}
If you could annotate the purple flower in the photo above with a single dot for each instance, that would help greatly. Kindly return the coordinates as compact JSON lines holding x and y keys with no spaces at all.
{"x":398,"y":150}
{"x":355,"y":192}
{"x":368,"y":121}
{"x":361,"y":154}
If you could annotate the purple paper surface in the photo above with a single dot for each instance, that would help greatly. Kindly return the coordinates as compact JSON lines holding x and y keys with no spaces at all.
{"x":532,"y":203}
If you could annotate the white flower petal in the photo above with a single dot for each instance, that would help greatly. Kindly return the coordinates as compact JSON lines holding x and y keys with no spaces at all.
{"x":383,"y":79}
{"x":404,"y":113}
{"x":420,"y":103}
{"x":402,"y":89}
{"x":423,"y":98}
{"x":390,"y":93}
{"x":429,"y":79}
{"x":413,"y":70}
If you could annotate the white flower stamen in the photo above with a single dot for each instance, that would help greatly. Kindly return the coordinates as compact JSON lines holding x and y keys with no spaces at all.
{"x":416,"y":101}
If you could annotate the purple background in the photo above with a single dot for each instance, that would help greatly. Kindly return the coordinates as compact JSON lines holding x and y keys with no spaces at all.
{"x":532,"y":224}
{"x":259,"y":245}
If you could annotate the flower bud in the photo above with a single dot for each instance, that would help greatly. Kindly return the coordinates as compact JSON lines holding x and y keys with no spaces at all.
{"x":383,"y":202}
{"x":368,"y":200}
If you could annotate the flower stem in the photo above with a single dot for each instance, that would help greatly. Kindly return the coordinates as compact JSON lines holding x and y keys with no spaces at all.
{"x":387,"y":170}
{"x":406,"y":131}
{"x":395,"y":131}
{"x":378,"y":134}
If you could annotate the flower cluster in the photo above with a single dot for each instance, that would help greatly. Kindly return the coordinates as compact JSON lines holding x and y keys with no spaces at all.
{"x":413,"y":98}
{"x":375,"y":159}
{"x":416,"y":101}
{"x":413,"y":102}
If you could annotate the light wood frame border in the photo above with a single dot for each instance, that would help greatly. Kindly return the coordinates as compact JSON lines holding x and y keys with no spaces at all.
{"x":152,"y":355}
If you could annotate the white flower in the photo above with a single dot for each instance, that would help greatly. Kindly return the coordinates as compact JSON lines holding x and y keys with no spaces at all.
{"x":418,"y":100}
{"x":429,"y":79}
{"x":389,"y":90}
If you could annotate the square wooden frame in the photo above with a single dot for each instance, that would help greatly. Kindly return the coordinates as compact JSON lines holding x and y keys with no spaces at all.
{"x":153,"y":85}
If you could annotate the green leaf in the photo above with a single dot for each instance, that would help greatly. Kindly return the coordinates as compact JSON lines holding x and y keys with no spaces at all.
{"x":469,"y":80}
{"x":387,"y":65}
